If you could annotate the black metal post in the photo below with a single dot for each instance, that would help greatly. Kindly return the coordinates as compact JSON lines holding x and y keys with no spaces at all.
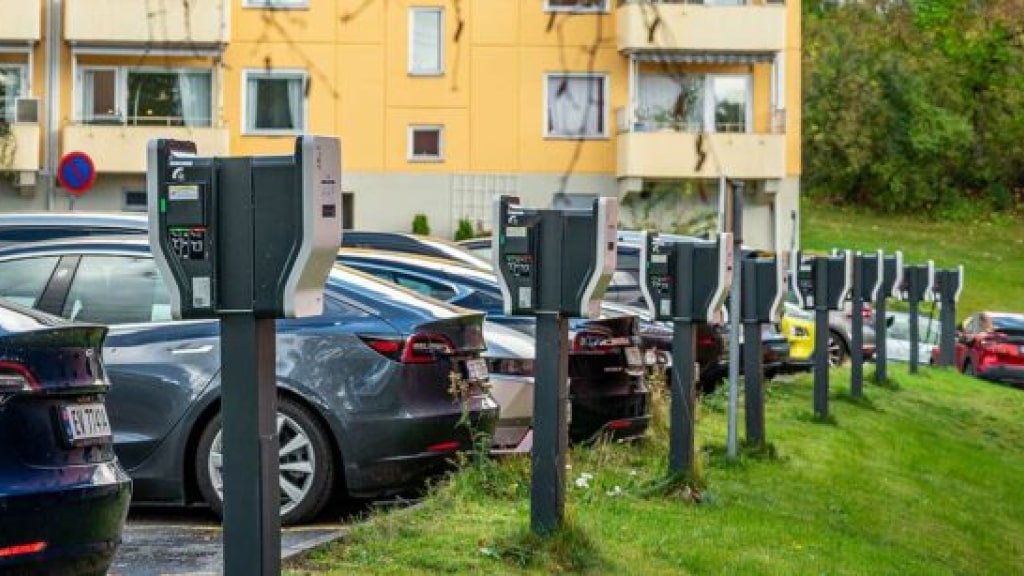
{"x":947,"y":334}
{"x":857,"y":337}
{"x":820,"y":337}
{"x":682,"y":415}
{"x":881,"y":334}
{"x":915,"y":337}
{"x":752,"y":379}
{"x":550,"y":425}
{"x":252,"y":521}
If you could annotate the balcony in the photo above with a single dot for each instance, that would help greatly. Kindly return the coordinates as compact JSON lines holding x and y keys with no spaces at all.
{"x":759,"y":28}
{"x":670,"y":151}
{"x":26,"y":147}
{"x":21,"y":21}
{"x":122,"y":149}
{"x":200,"y":23}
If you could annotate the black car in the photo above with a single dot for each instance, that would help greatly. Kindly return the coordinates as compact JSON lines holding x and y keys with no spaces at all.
{"x":606,"y":366}
{"x":63,"y":495}
{"x":413,"y":244}
{"x":364,"y":402}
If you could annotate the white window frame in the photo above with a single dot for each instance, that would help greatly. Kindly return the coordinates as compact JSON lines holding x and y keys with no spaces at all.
{"x":276,"y":4}
{"x":602,"y":8}
{"x":275,"y":73}
{"x":121,"y":88}
{"x":412,"y":44}
{"x":605,"y":88}
{"x":709,"y":102}
{"x":411,"y":156}
{"x":24,"y":86}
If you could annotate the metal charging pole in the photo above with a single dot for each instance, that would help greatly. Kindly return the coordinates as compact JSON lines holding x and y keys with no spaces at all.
{"x":736,"y":215}
{"x":752,"y":365}
{"x":857,"y":329}
{"x":820,"y":271}
{"x":915,"y":335}
{"x":684,"y":397}
{"x":550,"y":425}
{"x":881,"y":334}
{"x":947,"y":333}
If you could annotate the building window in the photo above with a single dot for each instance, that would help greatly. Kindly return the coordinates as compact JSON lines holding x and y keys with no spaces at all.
{"x":146,"y":97}
{"x":426,"y":143}
{"x":693,"y":102}
{"x":730,"y":96}
{"x":275,"y":102}
{"x":275,"y":3}
{"x":135,"y":201}
{"x":576,"y":5}
{"x":426,"y":41}
{"x":576,"y":105}
{"x":12,"y":87}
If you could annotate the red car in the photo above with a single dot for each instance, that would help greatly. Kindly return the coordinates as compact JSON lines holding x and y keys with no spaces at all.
{"x":991,"y":345}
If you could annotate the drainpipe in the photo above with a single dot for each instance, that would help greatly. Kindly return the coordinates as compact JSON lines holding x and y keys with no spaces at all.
{"x":52,"y":139}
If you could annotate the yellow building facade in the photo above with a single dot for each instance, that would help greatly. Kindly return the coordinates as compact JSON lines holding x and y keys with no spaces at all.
{"x":440,"y":104}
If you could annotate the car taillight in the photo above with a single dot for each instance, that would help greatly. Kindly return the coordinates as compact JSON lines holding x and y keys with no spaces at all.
{"x":590,"y":341}
{"x":388,"y":347}
{"x":15,"y":377}
{"x":425,"y":348}
{"x":22,"y":549}
{"x":705,"y":341}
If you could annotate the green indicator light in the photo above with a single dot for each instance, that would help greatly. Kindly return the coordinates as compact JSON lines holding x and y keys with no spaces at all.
{"x":163,"y":205}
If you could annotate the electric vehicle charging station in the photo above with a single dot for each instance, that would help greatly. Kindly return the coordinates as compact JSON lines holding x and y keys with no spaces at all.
{"x":685,"y":281}
{"x":892,"y":278}
{"x":246,"y":240}
{"x":867,"y":283}
{"x":553,"y":264}
{"x":917,"y":287}
{"x":764,"y":290}
{"x":948,"y":286}
{"x":822,"y":284}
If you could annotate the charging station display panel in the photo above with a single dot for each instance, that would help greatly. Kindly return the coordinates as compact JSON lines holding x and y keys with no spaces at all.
{"x":803,"y":280}
{"x":514,"y":256}
{"x":868,"y":275}
{"x":657,"y":282}
{"x":892,"y":275}
{"x":840,"y":278}
{"x":180,"y":193}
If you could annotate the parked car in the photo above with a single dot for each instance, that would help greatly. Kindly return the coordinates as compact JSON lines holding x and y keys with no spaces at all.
{"x":413,"y":244}
{"x":606,"y":370}
{"x":510,"y":362}
{"x":990,"y":345}
{"x":363,"y":389}
{"x":63,"y":495}
{"x":16,"y":228}
{"x":797,"y":326}
{"x":897,"y":340}
{"x":840,"y":332}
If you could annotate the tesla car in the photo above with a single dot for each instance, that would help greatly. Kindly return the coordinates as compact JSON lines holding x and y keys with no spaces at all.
{"x":364,"y":404}
{"x":413,"y":244}
{"x":608,"y":393}
{"x":897,"y":341}
{"x":990,"y":345}
{"x":63,"y":495}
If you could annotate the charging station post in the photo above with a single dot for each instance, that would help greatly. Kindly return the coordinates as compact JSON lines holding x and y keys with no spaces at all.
{"x":867,"y":281}
{"x":892,"y":278}
{"x":948,"y":286}
{"x":917,"y":287}
{"x":764,"y":289}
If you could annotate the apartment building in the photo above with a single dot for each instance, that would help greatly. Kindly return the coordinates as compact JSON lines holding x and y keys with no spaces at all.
{"x":440,"y":104}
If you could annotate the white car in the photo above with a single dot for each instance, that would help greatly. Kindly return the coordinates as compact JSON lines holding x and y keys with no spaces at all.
{"x":897,"y":342}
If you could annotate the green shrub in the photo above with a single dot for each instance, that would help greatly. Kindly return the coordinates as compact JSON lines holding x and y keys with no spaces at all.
{"x":465,"y":230}
{"x":420,"y":226}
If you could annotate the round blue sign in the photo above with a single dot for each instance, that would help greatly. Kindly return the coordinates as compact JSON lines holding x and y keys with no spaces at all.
{"x":76,"y":172}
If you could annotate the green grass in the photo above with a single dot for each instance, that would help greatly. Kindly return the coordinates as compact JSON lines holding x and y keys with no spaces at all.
{"x":923,"y":476}
{"x":989,"y":250}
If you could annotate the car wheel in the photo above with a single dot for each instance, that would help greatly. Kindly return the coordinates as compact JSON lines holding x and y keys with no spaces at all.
{"x":837,"y":350}
{"x":307,"y":468}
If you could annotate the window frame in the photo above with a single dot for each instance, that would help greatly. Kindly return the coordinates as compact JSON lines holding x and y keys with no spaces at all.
{"x":121,"y":90}
{"x":606,"y":92}
{"x":604,"y":8}
{"x":410,"y":150}
{"x":273,"y":74}
{"x":410,"y":33}
{"x":710,"y":102}
{"x":24,"y":87}
{"x":276,"y":4}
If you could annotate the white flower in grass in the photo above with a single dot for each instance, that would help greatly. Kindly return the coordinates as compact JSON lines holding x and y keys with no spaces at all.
{"x":584,"y":480}
{"x":616,"y":491}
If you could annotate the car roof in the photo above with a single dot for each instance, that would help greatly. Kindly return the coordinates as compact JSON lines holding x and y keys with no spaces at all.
{"x":402,"y":258}
{"x":95,"y":219}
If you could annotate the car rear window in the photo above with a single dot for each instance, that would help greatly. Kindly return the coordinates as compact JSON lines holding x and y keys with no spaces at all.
{"x":1008,"y":324}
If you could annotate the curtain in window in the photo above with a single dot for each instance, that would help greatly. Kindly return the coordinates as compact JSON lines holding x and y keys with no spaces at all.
{"x":671,"y":101}
{"x":10,"y":90}
{"x":575,"y":106}
{"x":274,"y":103}
{"x":194,"y":91}
{"x":426,"y":41}
{"x":295,"y":103}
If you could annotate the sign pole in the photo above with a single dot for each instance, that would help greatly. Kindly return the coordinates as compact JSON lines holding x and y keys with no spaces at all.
{"x":736,"y":217}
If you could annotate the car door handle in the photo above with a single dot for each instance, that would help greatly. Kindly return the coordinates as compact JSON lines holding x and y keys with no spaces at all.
{"x":193,"y":349}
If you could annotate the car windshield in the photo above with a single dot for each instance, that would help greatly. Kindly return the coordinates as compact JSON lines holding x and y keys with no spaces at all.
{"x":1008,"y":323}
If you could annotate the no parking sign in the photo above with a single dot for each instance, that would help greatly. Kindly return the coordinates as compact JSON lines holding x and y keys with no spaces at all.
{"x":76,"y":172}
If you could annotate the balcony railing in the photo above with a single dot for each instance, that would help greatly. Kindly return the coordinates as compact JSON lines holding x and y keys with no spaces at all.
{"x":20,"y":21}
{"x":702,"y":27}
{"x":122,"y":149}
{"x":192,"y":24}
{"x":637,"y":122}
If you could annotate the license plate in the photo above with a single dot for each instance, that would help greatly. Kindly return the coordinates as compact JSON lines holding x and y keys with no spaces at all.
{"x":85,"y":422}
{"x":633,"y":356}
{"x":476,"y":369}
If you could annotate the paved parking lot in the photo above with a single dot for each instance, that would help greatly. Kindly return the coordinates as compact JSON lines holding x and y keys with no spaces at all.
{"x":160,"y":541}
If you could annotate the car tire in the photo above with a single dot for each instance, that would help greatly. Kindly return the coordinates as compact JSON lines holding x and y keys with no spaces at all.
{"x":311,"y":471}
{"x":838,"y":351}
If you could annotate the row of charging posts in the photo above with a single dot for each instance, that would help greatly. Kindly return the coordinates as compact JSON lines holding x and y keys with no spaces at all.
{"x":246,"y":240}
{"x":824,"y":283}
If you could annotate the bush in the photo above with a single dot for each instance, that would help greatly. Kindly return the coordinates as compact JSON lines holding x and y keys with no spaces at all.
{"x":420,"y":226}
{"x":465,"y":230}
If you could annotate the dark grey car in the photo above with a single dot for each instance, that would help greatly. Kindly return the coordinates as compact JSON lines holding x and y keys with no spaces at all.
{"x":364,"y":400}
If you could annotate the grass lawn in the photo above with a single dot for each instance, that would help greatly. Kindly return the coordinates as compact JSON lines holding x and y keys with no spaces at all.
{"x":992,"y":252}
{"x":921,"y":477}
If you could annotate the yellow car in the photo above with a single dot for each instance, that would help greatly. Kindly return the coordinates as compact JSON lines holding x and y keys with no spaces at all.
{"x":798,"y":327}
